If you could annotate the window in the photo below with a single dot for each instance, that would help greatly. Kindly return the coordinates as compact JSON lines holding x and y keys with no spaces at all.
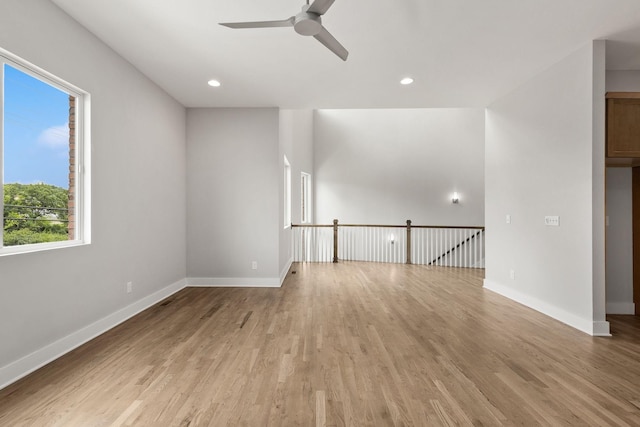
{"x":42,"y":159}
{"x":305,"y":198}
{"x":287,"y":193}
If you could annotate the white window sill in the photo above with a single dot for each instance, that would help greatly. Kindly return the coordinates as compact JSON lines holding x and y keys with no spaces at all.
{"x":38,"y":247}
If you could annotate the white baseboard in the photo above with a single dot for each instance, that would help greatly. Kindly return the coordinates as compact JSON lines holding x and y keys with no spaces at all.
{"x":285,"y":270}
{"x":233,"y":282}
{"x":621,"y":308}
{"x":585,"y":325}
{"x":601,"y":329}
{"x":31,"y":362}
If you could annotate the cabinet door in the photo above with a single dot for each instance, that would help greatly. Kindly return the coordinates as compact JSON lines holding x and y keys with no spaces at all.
{"x":623,"y":127}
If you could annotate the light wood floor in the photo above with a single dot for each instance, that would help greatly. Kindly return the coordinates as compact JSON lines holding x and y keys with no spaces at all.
{"x":340,"y":344}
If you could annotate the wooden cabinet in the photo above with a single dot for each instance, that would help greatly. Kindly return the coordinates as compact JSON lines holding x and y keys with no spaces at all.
{"x":623,"y":124}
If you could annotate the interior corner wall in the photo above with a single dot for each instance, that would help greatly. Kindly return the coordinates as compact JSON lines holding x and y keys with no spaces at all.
{"x":52,"y":301}
{"x":386,"y":166}
{"x":296,"y":142}
{"x":233,"y":177}
{"x":540,"y":146}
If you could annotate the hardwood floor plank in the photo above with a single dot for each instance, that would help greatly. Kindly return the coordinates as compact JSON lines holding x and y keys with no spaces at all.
{"x":354,"y":344}
{"x":126,"y":414}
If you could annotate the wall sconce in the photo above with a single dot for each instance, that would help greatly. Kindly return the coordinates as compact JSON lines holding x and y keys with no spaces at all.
{"x":455,"y":198}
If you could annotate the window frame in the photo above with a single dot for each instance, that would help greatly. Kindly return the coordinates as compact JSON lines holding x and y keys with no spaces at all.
{"x":287,"y":193}
{"x":305,"y":198}
{"x":82,"y":183}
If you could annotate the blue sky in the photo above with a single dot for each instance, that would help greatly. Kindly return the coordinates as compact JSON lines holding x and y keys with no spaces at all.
{"x":36,"y":133}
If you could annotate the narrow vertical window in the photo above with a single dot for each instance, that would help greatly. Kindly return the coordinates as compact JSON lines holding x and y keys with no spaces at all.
{"x":287,"y":193}
{"x":305,"y":198}
{"x":41,"y":159}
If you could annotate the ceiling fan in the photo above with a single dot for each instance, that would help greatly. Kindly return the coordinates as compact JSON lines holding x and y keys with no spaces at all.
{"x":306,"y":23}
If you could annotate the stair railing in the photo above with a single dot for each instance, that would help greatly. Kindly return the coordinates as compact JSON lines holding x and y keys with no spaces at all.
{"x":454,"y":246}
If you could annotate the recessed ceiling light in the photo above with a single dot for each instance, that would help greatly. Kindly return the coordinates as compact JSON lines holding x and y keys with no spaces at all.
{"x":406,"y":81}
{"x":213,"y":83}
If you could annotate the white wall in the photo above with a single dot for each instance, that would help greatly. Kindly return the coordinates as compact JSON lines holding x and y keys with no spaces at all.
{"x":541,"y":145}
{"x":296,"y":142}
{"x":52,"y":301}
{"x":623,"y":81}
{"x":387,"y":166}
{"x":233,"y":182}
{"x":598,"y":142}
{"x":619,"y":242}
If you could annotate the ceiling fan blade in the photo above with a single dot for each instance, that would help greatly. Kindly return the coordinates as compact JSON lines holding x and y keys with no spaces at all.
{"x":260,"y":24}
{"x":320,"y":6}
{"x":331,"y":43}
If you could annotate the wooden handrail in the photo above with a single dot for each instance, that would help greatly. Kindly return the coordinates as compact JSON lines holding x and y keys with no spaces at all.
{"x":454,"y":227}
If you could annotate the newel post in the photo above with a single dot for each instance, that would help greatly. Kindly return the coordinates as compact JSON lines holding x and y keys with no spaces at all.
{"x":335,"y":240}
{"x":408,"y":241}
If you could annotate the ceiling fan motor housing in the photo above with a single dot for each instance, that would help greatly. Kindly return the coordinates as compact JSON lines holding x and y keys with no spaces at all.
{"x":307,"y":24}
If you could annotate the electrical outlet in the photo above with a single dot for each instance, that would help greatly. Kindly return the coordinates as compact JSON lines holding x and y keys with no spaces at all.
{"x":254,"y":265}
{"x":512,"y":274}
{"x":508,"y":219}
{"x":129,"y":287}
{"x":552,"y":220}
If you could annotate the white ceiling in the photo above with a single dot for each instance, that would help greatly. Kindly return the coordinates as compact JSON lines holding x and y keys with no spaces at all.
{"x":461,"y":53}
